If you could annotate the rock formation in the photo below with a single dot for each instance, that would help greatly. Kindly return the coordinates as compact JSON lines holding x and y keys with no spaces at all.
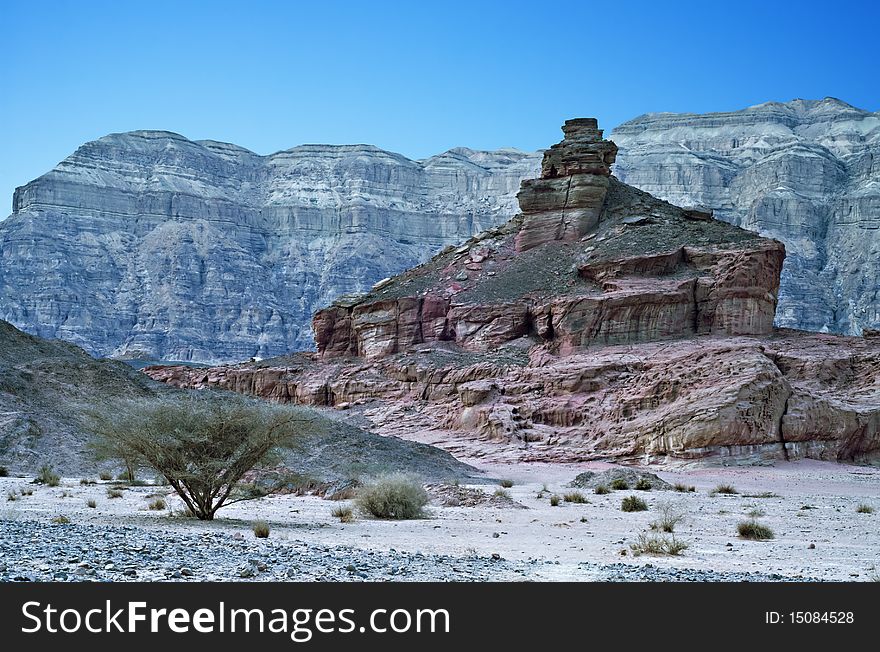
{"x":623,"y":267}
{"x":643,"y":333}
{"x":804,"y":172}
{"x":148,"y":245}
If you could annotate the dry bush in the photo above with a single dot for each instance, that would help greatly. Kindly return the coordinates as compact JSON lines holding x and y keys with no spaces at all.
{"x":158,"y":505}
{"x":633,"y":504}
{"x":344,"y":514}
{"x":753,"y":530}
{"x":670,"y":516}
{"x":656,"y":544}
{"x":393,"y":496}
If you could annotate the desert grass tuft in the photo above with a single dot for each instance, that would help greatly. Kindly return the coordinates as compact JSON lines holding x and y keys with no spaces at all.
{"x":575,"y":497}
{"x":619,"y":484}
{"x":864,"y":508}
{"x":670,"y":516}
{"x":91,"y":503}
{"x":261,"y":530}
{"x":114,"y":493}
{"x":601,"y":490}
{"x":158,"y":504}
{"x":507,"y":484}
{"x":48,"y":477}
{"x":725,"y":490}
{"x":344,"y":514}
{"x":554,"y":501}
{"x":656,"y":544}
{"x":633,"y":504}
{"x":755,"y":531}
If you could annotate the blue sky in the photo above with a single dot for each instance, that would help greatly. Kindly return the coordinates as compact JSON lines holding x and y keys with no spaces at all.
{"x":412,"y":77}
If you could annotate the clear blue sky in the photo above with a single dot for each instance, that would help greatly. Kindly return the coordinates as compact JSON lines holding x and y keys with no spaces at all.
{"x":414,"y":77}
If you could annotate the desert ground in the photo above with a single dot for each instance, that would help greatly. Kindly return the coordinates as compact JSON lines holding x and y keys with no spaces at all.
{"x":812,"y":508}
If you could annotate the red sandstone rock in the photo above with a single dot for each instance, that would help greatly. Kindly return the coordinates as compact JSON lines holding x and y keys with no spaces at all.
{"x":600,"y":323}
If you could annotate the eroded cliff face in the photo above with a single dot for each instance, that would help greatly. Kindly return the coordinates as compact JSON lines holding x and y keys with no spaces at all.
{"x":805,"y":172}
{"x":641,"y":333}
{"x":788,"y":395}
{"x":146,"y":244}
{"x":589,"y":261}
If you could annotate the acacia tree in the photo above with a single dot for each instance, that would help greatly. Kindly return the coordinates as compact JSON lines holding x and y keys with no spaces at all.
{"x":203,"y":445}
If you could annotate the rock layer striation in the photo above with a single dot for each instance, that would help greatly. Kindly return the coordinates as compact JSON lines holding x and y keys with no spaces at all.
{"x":149,"y":245}
{"x":805,"y":172}
{"x":648,"y":337}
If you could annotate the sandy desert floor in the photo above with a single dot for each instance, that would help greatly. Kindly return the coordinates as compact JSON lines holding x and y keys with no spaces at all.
{"x":811,"y":507}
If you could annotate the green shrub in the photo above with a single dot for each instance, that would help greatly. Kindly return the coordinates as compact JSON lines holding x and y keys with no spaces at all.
{"x":725,"y":489}
{"x":554,"y":501}
{"x":601,"y":490}
{"x":114,"y":493}
{"x":633,"y":504}
{"x":864,"y":508}
{"x":394,"y":496}
{"x":644,"y":484}
{"x":48,"y":477}
{"x":261,"y":530}
{"x":105,"y":476}
{"x":91,"y":503}
{"x":507,"y":484}
{"x":158,"y":505}
{"x":619,"y":484}
{"x":203,"y":444}
{"x":61,"y":520}
{"x":753,"y":530}
{"x":656,"y":544}
{"x":575,"y":497}
{"x":344,"y":514}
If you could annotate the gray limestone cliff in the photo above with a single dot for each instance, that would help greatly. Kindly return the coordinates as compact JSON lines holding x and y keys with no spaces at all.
{"x":806,"y":172}
{"x":149,"y":245}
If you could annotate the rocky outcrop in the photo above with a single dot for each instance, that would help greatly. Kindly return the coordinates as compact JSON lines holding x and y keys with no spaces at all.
{"x":804,"y":172}
{"x":149,"y":245}
{"x":648,"y":338}
{"x":566,"y":201}
{"x":787,"y":395}
{"x":574,"y":270}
